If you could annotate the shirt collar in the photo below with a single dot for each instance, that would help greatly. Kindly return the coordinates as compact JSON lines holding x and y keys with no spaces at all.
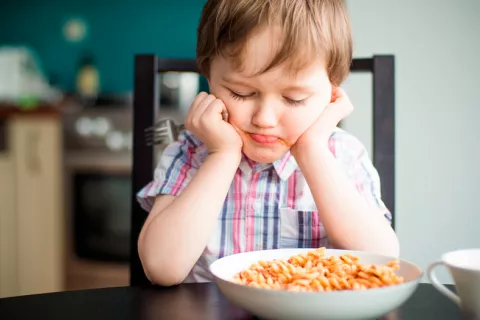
{"x":284,"y":166}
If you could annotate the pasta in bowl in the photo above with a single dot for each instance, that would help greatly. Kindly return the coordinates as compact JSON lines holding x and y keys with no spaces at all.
{"x":316,"y":283}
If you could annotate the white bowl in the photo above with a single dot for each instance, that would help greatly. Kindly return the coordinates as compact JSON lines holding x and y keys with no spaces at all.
{"x":334,"y":305}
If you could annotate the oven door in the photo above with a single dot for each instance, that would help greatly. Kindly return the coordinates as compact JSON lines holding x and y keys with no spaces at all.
{"x":102,"y":215}
{"x":100,"y":198}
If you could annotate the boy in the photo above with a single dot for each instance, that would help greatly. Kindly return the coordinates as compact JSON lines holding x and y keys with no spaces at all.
{"x":276,"y":172}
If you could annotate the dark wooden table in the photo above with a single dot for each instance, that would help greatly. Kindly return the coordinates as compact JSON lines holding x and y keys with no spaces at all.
{"x":187,"y":301}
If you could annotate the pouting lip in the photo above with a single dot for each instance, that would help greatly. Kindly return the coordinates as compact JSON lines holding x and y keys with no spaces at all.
{"x":279,"y":140}
{"x":261,"y":134}
{"x":264,"y":139}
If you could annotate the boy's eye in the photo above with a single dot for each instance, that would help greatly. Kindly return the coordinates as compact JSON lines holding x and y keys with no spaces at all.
{"x":289,"y":101}
{"x":295,"y":102}
{"x":239,"y":96}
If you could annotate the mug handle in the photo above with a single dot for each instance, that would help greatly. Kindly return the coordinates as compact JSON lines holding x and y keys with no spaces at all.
{"x":440,"y":287}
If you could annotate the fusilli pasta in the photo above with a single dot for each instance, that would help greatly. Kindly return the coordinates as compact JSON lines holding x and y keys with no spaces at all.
{"x":315,"y":272}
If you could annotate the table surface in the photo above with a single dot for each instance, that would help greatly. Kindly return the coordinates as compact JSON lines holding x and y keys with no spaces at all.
{"x":186,"y":301}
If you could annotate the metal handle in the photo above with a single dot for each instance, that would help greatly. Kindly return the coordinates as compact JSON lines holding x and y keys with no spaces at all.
{"x":33,"y":152}
{"x":162,"y":132}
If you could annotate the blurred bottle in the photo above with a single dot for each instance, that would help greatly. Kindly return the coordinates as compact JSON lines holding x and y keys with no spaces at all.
{"x":88,"y":80}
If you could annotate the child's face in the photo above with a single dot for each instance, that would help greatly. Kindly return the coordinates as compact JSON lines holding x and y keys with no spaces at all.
{"x":272,"y":110}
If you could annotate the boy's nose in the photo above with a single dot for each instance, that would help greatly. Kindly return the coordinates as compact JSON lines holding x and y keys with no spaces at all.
{"x":265,"y":117}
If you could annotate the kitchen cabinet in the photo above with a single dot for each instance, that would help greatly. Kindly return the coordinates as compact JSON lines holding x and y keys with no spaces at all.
{"x":31,"y":204}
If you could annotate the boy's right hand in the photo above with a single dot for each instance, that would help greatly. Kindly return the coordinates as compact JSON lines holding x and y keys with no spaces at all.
{"x":205,"y":120}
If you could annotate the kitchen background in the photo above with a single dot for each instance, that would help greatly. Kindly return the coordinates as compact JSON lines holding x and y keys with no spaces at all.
{"x":66,"y":78}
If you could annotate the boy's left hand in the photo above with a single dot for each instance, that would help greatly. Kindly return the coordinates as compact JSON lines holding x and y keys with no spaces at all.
{"x":319,"y":132}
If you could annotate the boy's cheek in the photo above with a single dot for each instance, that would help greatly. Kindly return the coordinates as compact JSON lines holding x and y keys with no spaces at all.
{"x":302,"y":124}
{"x":297,"y":128}
{"x":293,"y":136}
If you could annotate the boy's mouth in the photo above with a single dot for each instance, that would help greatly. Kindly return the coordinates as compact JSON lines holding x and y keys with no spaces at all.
{"x":262,"y":139}
{"x":265,"y":140}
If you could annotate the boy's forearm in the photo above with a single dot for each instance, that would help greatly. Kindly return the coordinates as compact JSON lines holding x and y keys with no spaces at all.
{"x":176,"y":237}
{"x":350,"y":222}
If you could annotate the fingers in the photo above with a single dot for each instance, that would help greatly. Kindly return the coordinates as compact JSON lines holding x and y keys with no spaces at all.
{"x":225,"y":114}
{"x":202,"y":105}
{"x":330,"y":115}
{"x":338,"y":94}
{"x":196,"y":102}
{"x":198,"y":99}
{"x":216,"y":108}
{"x":338,"y":109}
{"x":344,"y":103}
{"x":204,"y":108}
{"x":334,"y":94}
{"x":198,"y":106}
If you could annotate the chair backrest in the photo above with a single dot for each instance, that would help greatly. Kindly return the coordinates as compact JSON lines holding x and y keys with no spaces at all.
{"x":146,"y":111}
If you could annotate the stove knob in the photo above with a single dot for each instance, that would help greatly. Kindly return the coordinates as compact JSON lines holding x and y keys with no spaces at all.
{"x":101,"y":126}
{"x":84,"y":126}
{"x":114,"y":140}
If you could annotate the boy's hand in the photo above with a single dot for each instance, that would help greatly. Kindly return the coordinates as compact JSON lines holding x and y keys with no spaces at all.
{"x":205,"y":120}
{"x":319,"y":132}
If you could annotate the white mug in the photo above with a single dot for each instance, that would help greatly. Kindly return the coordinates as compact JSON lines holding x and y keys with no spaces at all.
{"x":464,"y":266}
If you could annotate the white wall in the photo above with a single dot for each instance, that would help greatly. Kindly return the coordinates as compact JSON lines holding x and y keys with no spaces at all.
{"x":436,"y":44}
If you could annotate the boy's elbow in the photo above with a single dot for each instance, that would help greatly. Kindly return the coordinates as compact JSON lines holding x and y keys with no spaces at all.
{"x":389,"y":247}
{"x":156,"y":270}
{"x":395,"y":248}
{"x":164,"y":279}
{"x":390,"y":244}
{"x":162,"y":274}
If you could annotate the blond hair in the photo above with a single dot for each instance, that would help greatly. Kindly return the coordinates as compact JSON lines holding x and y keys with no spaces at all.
{"x":311,"y":29}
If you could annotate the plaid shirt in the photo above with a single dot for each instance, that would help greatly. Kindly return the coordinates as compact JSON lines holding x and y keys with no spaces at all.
{"x":268,"y":206}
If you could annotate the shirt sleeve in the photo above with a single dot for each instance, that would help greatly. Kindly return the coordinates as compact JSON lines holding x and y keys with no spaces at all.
{"x":355,"y":158}
{"x":177,"y":165}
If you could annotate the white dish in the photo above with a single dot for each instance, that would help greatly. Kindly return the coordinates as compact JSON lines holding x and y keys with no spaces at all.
{"x":334,"y":305}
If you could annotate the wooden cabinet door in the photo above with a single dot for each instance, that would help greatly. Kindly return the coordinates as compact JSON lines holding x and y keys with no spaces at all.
{"x":37,"y":149}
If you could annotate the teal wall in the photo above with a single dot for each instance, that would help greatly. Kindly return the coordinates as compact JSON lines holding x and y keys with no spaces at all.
{"x":117,"y":31}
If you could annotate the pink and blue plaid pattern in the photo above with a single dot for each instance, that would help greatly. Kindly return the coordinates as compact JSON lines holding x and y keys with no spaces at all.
{"x":268,"y":206}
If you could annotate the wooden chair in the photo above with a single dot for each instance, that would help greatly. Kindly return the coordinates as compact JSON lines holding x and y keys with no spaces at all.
{"x":146,"y":110}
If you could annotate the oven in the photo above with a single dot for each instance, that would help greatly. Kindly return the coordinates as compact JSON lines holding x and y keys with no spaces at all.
{"x":98,"y":188}
{"x":100,"y":199}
